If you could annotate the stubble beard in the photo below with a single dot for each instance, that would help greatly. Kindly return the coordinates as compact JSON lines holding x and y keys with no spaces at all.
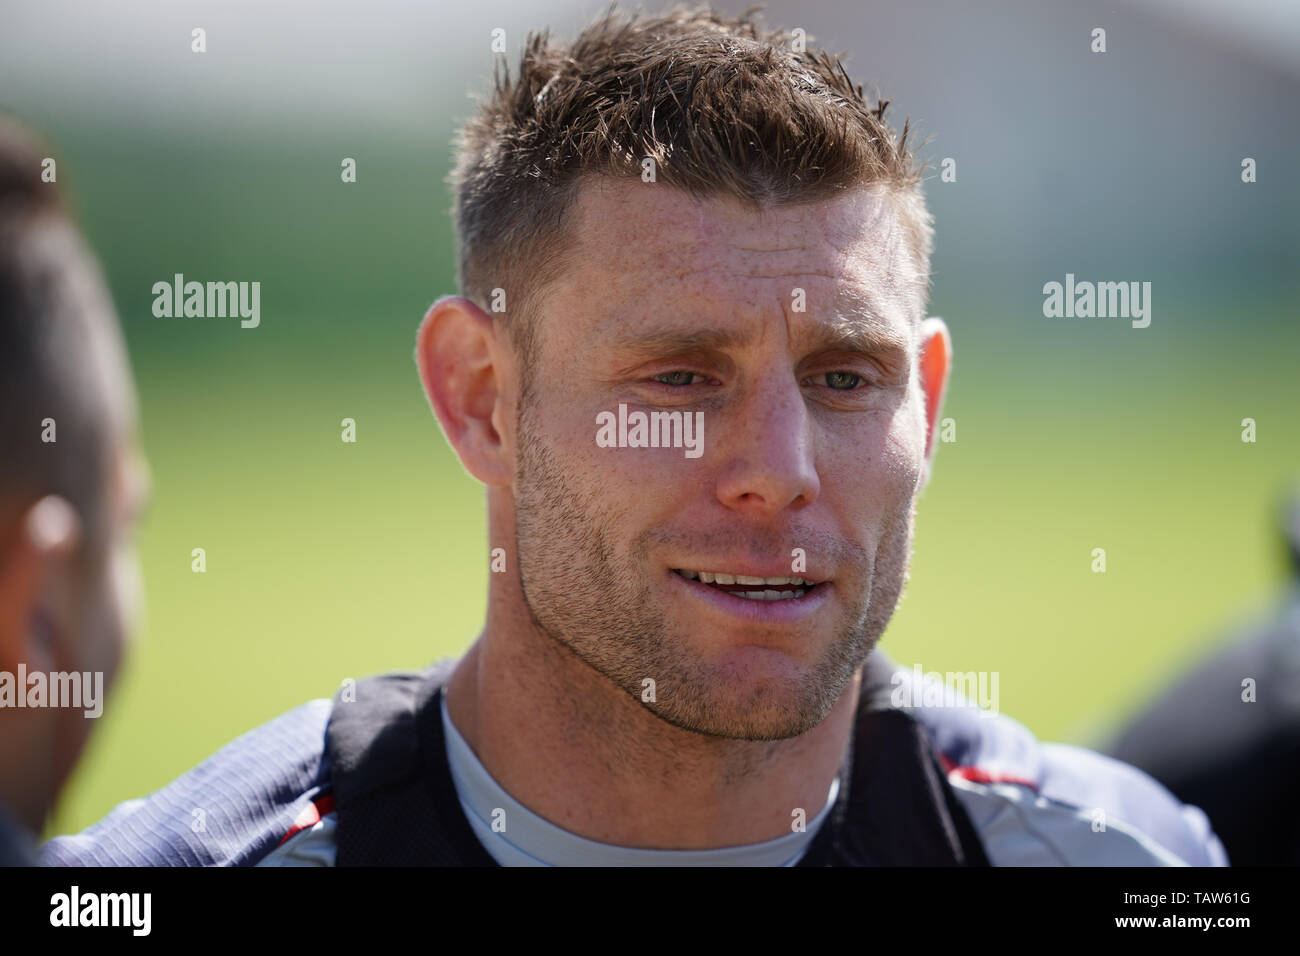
{"x":594,"y":600}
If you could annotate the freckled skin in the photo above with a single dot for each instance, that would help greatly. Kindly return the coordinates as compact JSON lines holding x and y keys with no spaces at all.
{"x":598,"y":527}
{"x":751,"y":720}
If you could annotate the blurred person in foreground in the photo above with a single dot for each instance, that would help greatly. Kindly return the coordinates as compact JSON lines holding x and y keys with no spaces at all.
{"x":680,"y":216}
{"x":1226,"y":735}
{"x":71,"y":485}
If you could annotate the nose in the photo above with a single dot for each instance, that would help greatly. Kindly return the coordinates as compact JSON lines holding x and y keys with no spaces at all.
{"x":767,"y":449}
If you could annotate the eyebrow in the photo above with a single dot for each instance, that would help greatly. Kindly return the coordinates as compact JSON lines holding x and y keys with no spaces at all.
{"x":847,"y":333}
{"x":673,"y":342}
{"x":853,"y":333}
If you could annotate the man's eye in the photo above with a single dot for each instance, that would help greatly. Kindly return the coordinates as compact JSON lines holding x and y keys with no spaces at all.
{"x":843,"y":381}
{"x":675,"y":378}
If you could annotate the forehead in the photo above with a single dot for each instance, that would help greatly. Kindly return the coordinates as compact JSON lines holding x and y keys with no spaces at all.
{"x":641,"y":244}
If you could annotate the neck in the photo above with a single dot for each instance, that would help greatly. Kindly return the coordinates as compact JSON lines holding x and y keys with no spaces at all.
{"x":580,"y":752}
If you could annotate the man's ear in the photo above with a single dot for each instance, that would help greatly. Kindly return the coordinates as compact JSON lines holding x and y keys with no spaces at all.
{"x":464,"y":368}
{"x":34,"y":566}
{"x":935,"y":366}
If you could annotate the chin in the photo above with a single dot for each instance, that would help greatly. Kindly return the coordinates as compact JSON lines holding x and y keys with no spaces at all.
{"x":749,"y":693}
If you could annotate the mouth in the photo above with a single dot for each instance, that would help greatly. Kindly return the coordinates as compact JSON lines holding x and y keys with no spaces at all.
{"x":752,"y":588}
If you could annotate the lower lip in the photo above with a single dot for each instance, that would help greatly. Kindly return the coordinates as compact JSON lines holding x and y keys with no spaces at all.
{"x":789,"y":611}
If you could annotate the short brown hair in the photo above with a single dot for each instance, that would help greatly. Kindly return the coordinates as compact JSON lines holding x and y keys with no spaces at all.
{"x":721,"y":105}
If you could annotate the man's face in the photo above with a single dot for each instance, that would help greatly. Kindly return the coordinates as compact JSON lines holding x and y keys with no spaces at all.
{"x":795,"y":333}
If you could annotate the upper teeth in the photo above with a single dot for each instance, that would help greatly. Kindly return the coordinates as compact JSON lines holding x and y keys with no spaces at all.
{"x":710,"y":577}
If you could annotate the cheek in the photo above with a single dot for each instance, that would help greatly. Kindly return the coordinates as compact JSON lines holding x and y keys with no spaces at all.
{"x":879,"y":467}
{"x":623,"y":479}
{"x":904,"y":456}
{"x":904,"y":446}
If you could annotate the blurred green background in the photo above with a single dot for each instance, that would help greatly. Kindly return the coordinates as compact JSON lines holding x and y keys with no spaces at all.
{"x":328,"y":560}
